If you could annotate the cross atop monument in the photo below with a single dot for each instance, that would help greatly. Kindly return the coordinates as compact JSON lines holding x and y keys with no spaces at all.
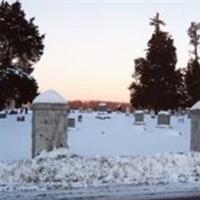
{"x":156,"y":22}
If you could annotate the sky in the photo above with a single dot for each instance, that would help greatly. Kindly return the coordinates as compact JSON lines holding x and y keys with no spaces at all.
{"x":90,"y":46}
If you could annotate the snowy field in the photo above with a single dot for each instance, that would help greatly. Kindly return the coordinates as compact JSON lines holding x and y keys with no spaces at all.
{"x":101,"y":152}
{"x":117,"y":136}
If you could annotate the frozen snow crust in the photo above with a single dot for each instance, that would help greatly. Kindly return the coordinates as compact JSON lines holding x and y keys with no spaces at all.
{"x":61,"y":169}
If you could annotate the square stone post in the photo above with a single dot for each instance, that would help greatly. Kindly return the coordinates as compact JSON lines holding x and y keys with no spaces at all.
{"x":49,"y":122}
{"x":195,"y":130}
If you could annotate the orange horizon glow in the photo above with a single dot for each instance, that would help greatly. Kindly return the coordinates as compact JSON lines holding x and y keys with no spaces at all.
{"x":90,"y":45}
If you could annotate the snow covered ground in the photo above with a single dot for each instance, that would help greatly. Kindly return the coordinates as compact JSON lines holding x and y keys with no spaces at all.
{"x":112,"y":137}
{"x":105,"y":152}
{"x":119,"y":136}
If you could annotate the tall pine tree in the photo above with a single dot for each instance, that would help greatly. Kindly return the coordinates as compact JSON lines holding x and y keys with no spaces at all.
{"x":192,"y":74}
{"x":21,"y":46}
{"x":157,"y":83}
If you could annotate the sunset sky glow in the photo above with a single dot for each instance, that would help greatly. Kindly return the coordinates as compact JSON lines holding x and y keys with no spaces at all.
{"x":90,"y":45}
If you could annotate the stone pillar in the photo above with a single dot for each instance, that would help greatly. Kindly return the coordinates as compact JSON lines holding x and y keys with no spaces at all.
{"x":49,"y":122}
{"x":195,"y":128}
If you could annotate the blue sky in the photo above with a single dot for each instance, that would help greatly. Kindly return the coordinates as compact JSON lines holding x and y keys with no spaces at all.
{"x":90,"y":45}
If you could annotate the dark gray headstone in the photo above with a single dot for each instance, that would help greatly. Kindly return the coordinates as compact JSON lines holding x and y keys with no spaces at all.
{"x":20,"y":118}
{"x":139,"y":117}
{"x":163,"y":119}
{"x":71,"y":122}
{"x":80,"y":118}
{"x":13,"y":112}
{"x":2,"y":115}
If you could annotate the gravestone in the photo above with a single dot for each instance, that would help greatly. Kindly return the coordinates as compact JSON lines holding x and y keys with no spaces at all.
{"x":139,"y":117}
{"x":49,"y":122}
{"x":71,"y":122}
{"x":2,"y":114}
{"x":195,"y":127}
{"x":127,"y":112}
{"x":13,"y":112}
{"x":21,"y":118}
{"x":80,"y":118}
{"x":102,"y":107}
{"x":163,"y":119}
{"x":152,"y":114}
{"x":102,"y":111}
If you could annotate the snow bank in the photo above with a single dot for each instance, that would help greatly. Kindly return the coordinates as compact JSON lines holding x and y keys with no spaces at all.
{"x":50,"y":96}
{"x":62,"y":169}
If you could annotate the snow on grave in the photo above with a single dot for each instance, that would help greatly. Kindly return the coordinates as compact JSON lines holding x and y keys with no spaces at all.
{"x":163,"y":119}
{"x":50,"y":96}
{"x":139,"y":117}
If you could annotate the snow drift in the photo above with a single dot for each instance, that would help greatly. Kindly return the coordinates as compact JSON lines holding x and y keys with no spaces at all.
{"x":61,"y":169}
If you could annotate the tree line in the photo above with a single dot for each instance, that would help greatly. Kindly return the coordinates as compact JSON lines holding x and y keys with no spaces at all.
{"x":112,"y":105}
{"x":157,"y":84}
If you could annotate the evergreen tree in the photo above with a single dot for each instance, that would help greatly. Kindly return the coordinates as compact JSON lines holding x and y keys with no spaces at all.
{"x":21,"y":46}
{"x":192,"y":74}
{"x":157,"y":83}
